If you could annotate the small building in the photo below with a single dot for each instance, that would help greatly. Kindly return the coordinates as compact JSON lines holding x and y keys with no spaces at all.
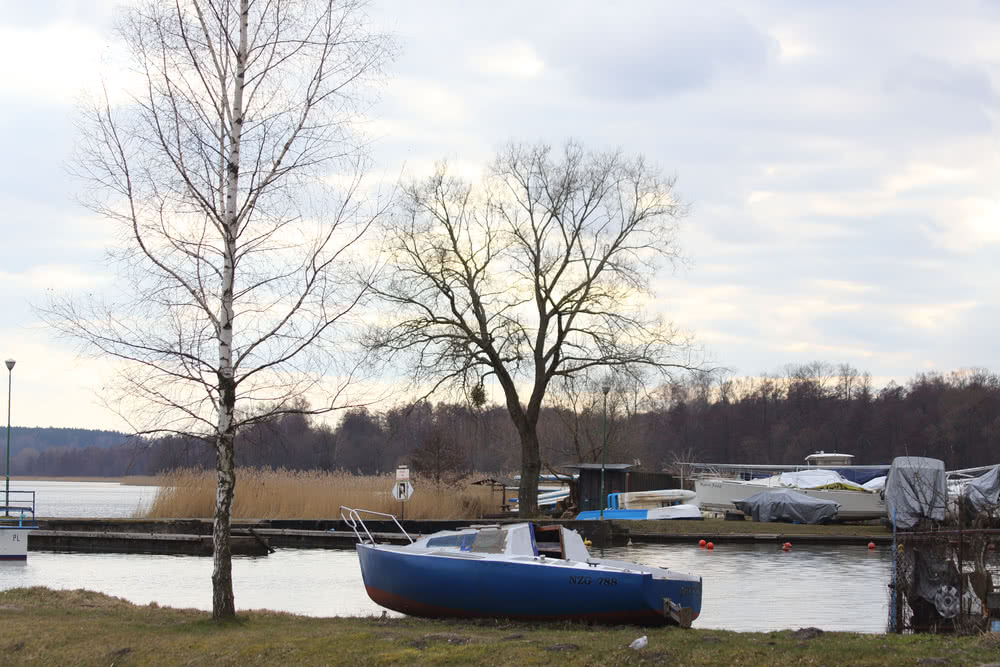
{"x":617,"y":479}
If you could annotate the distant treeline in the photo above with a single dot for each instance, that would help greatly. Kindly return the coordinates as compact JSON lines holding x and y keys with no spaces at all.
{"x":773,"y":419}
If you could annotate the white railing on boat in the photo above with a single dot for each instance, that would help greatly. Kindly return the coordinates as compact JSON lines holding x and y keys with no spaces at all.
{"x":353,"y":520}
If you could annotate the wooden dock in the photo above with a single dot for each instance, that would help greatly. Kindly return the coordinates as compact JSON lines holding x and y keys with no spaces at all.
{"x":260,"y":537}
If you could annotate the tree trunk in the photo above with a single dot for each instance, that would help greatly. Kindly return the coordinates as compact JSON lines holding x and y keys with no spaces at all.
{"x":223,"y":605}
{"x":531,"y":465}
{"x":223,"y":602}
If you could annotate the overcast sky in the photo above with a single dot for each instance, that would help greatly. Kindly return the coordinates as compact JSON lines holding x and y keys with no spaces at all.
{"x":840,"y":158}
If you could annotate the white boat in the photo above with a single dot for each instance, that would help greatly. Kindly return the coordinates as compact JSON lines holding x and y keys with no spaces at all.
{"x":17,"y":519}
{"x":718,"y":494}
{"x":645,"y":500}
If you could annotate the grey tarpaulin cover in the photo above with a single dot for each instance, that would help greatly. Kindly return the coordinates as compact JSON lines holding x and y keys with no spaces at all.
{"x":787,"y":505}
{"x":916,"y":489}
{"x":983,"y":492}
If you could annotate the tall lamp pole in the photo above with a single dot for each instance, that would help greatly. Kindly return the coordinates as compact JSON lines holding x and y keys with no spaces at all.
{"x":604,"y":444}
{"x":6,"y":499}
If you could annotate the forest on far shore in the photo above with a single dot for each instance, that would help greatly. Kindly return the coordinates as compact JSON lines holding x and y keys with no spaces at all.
{"x":777,"y":419}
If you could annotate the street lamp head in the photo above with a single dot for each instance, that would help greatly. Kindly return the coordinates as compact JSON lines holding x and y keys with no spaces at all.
{"x":10,"y":364}
{"x":606,"y":389}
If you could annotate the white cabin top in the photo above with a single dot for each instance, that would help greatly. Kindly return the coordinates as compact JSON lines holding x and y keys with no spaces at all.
{"x":822,"y":458}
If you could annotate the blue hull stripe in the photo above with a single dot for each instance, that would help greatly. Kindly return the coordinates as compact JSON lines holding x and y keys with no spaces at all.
{"x":423,"y":585}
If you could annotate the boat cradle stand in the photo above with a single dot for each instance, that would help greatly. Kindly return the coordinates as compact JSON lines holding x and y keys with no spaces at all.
{"x":683,"y":616}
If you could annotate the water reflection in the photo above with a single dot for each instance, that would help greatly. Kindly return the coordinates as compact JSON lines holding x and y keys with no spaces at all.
{"x":761,"y":588}
{"x":746,"y":587}
{"x":311,"y":582}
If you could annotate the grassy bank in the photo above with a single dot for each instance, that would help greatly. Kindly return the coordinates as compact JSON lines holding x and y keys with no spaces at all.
{"x":284,"y":494}
{"x":44,"y":627}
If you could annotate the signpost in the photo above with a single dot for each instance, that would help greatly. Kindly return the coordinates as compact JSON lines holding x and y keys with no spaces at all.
{"x":402,"y":489}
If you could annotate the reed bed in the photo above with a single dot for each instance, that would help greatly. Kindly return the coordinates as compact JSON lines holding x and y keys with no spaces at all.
{"x":287,"y":494}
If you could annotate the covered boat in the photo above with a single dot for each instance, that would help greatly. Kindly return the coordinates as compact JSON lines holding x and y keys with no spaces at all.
{"x":787,"y":505}
{"x":856,"y":502}
{"x":917,"y":489}
{"x":519,"y":571}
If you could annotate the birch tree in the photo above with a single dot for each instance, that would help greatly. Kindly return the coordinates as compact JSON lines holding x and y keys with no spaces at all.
{"x":544,"y":270}
{"x":234,"y":177}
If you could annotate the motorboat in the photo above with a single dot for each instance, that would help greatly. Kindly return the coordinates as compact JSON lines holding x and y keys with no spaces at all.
{"x":647,"y":505}
{"x":681,"y":511}
{"x":517,"y":571}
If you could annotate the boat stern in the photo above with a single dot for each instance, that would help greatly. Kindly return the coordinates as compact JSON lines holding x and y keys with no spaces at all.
{"x":677,"y":596}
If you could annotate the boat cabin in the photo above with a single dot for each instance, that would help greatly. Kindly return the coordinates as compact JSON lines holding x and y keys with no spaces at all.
{"x":824,"y":459}
{"x":517,"y":539}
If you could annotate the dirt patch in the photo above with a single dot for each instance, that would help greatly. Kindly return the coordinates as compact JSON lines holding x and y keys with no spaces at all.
{"x":447,"y":637}
{"x":510,"y":638}
{"x":806,"y":633}
{"x":119,"y":654}
{"x":562,"y":647}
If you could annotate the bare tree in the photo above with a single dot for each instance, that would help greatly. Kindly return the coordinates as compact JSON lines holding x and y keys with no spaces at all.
{"x":541,"y":271}
{"x":217,"y":169}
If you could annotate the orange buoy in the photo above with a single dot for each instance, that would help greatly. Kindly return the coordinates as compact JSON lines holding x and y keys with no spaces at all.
{"x":787,"y":546}
{"x":701,"y":543}
{"x":871,"y":546}
{"x":709,"y":546}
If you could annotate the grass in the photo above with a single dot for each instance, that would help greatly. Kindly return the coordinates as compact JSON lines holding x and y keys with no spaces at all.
{"x":39,"y":626}
{"x":284,"y":494}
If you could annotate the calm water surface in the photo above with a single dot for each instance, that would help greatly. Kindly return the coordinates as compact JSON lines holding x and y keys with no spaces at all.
{"x":92,"y":500}
{"x":746,"y":587}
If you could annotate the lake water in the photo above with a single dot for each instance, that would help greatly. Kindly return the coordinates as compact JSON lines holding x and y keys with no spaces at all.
{"x":92,"y":500}
{"x":746,"y":587}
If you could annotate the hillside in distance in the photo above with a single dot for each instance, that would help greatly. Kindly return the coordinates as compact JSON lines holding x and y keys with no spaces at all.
{"x":40,"y":439}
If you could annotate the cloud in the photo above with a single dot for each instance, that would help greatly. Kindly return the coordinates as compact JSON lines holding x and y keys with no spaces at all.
{"x":48,"y":63}
{"x":648,"y":54}
{"x":515,"y":60}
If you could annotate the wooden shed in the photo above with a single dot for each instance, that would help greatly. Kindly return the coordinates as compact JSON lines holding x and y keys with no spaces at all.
{"x":617,"y":479}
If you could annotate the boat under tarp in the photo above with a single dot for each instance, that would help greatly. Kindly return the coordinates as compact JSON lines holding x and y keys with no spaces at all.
{"x":982,"y":494}
{"x":916,"y":490}
{"x":788,"y":505}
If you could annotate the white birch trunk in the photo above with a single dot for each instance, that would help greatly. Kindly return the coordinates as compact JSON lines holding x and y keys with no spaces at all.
{"x":223,"y":603}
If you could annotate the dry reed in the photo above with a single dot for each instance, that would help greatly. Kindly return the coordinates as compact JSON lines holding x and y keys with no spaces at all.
{"x":286,"y":494}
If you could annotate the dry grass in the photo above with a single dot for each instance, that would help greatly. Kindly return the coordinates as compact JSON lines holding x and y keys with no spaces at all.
{"x":285,"y":494}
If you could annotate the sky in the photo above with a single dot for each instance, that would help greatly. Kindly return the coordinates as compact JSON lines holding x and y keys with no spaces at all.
{"x":840,"y":160}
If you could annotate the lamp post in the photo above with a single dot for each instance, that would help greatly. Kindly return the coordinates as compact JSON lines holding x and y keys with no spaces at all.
{"x":604,"y":444}
{"x":6,"y":498}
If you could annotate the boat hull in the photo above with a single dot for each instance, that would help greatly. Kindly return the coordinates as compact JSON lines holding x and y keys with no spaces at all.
{"x":423,"y":584}
{"x":672,"y":513}
{"x":719,"y":495}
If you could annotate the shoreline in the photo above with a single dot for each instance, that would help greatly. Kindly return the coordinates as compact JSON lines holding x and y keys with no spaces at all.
{"x":258,"y":536}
